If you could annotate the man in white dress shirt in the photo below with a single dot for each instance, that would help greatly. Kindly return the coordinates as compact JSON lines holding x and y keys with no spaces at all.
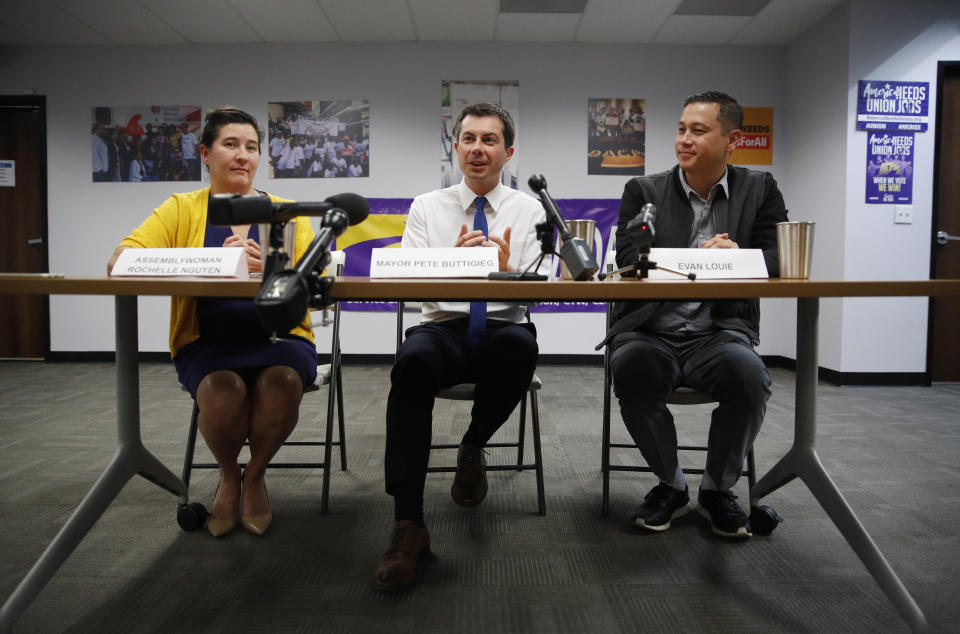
{"x":489,"y":344}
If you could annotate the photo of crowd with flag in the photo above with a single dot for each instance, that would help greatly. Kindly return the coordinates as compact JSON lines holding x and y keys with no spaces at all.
{"x":383,"y":228}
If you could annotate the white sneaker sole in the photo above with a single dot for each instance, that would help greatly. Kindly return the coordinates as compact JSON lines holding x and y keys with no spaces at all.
{"x":742,"y":532}
{"x":662,"y":527}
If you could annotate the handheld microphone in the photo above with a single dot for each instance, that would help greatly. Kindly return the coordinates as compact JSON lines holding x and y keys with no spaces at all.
{"x":641,"y":230}
{"x":574,"y":251}
{"x":284,"y":297}
{"x":239,"y":209}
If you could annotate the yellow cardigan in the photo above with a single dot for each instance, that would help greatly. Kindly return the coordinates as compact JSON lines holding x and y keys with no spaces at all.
{"x":181,"y":221}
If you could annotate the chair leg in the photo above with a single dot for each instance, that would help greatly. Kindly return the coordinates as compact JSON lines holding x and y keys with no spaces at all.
{"x":188,"y":458}
{"x":751,"y":472}
{"x":605,"y":436}
{"x":537,"y":453}
{"x":343,"y":432}
{"x":522,"y":436}
{"x":328,"y":441}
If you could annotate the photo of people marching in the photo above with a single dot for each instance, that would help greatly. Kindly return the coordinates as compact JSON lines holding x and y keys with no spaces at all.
{"x":319,"y":139}
{"x":145,"y":143}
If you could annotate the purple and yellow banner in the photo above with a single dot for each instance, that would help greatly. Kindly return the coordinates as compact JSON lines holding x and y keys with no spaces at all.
{"x":383,"y":228}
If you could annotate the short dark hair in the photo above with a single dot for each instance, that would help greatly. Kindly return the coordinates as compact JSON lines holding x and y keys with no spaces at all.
{"x":224,"y":115}
{"x":730,"y":114}
{"x":484,"y":109}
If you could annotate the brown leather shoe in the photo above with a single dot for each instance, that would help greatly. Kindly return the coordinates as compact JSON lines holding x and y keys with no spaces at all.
{"x":397,"y":569}
{"x":470,"y":483}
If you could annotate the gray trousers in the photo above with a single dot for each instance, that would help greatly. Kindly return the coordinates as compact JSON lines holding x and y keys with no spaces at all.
{"x":647,"y":367}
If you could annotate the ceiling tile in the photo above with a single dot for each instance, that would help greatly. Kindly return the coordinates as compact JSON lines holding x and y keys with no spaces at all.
{"x":370,"y":20}
{"x":122,"y":22}
{"x":454,"y":20}
{"x":287,"y":20}
{"x":48,"y":24}
{"x":721,"y":7}
{"x":209,"y":21}
{"x":9,"y":37}
{"x":781,"y":21}
{"x":700,"y":29}
{"x":623,"y":20}
{"x":529,"y":27}
{"x":93,"y":22}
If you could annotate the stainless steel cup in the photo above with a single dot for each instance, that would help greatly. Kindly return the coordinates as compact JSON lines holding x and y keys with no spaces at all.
{"x":289,"y":243}
{"x":586,"y":229}
{"x":795,"y":248}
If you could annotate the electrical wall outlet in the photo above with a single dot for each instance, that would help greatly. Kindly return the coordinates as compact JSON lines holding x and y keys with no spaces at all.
{"x":903,"y":215}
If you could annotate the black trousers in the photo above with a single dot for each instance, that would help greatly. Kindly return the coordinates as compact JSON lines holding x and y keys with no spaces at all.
{"x":435,"y":356}
{"x":647,"y":367}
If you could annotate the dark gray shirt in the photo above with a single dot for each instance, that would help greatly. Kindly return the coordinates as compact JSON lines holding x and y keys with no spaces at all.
{"x":693,"y":318}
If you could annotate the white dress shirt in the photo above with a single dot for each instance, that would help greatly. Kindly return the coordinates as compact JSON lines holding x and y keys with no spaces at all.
{"x":435,"y":220}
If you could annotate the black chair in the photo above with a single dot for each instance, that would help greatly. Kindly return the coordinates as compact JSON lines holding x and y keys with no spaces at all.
{"x":464,"y":392}
{"x":192,"y":515}
{"x":763,"y":518}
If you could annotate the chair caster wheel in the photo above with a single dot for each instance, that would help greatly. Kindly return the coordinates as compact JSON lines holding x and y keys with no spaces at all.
{"x":191,"y":516}
{"x":763,"y":520}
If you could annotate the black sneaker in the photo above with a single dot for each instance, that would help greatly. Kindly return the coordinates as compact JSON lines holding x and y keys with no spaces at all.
{"x":662,"y":504}
{"x":726,"y":517}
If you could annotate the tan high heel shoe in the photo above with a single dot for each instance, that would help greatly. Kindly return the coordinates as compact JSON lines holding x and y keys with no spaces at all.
{"x":220,"y":526}
{"x":256,"y":524}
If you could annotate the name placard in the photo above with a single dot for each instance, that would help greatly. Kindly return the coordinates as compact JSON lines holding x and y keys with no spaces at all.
{"x":205,"y":262}
{"x":710,"y":264}
{"x":440,"y":262}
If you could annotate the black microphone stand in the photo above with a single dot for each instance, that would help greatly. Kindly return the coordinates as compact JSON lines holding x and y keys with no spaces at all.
{"x":545,"y":235}
{"x":643,"y":268}
{"x":286,"y":294}
{"x":277,"y":257}
{"x":644,"y":264}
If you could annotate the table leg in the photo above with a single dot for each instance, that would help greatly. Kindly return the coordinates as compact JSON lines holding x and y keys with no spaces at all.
{"x":802,"y":462}
{"x":130,"y":458}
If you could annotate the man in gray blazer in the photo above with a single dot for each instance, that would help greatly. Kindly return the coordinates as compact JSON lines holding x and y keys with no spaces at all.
{"x":657,"y":346}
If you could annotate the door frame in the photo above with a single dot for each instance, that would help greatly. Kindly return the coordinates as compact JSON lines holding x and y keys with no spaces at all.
{"x":943,"y":67}
{"x":39,"y":102}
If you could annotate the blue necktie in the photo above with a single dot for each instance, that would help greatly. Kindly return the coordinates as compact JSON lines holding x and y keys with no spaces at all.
{"x":478,"y":310}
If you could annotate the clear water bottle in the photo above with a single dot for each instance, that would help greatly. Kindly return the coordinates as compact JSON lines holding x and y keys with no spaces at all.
{"x":610,"y":259}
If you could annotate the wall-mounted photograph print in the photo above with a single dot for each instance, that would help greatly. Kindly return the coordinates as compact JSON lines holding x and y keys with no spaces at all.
{"x":319,"y":139}
{"x":145,"y":143}
{"x":455,"y":95}
{"x":616,"y":137}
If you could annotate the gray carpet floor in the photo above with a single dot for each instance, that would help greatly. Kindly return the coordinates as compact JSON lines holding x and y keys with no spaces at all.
{"x":497,"y":568}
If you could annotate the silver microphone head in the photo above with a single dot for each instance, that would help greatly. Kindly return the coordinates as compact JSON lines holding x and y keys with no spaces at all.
{"x":648,"y":213}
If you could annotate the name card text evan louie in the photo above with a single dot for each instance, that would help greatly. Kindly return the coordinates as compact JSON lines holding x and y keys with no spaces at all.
{"x":206,"y":262}
{"x":440,"y":262}
{"x":710,"y":264}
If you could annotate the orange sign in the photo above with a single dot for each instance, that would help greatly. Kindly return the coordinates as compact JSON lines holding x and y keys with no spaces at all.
{"x":756,"y":146}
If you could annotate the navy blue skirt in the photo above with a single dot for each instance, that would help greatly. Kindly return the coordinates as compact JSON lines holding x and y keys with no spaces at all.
{"x":246,"y":357}
{"x":232,"y":337}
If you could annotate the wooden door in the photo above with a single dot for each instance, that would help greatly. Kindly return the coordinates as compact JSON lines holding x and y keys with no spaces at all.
{"x":943,"y":358}
{"x":24,"y":319}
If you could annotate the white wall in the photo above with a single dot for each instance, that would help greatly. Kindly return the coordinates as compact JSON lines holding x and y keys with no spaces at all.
{"x":815,"y":187}
{"x":891,"y":41}
{"x":402,"y":82}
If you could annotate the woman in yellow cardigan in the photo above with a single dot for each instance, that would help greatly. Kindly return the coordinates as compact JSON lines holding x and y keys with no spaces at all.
{"x":246,"y":387}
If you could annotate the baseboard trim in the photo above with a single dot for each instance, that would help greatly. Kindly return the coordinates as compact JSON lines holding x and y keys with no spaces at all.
{"x":834,"y":377}
{"x":854,"y":379}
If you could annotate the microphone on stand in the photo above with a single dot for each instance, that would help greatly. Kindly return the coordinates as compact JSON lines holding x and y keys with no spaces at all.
{"x":285,"y":295}
{"x":574,"y":251}
{"x":240,"y":209}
